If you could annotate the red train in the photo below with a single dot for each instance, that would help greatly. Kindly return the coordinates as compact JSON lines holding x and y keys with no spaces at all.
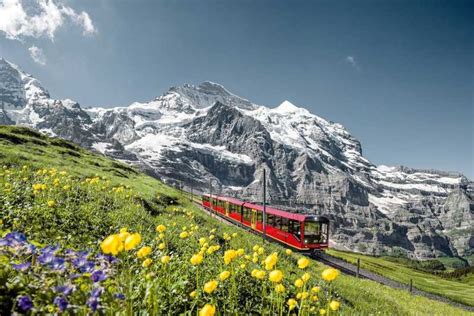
{"x":299,"y":231}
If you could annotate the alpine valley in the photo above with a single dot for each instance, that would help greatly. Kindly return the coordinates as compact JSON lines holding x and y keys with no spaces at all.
{"x":191,"y":134}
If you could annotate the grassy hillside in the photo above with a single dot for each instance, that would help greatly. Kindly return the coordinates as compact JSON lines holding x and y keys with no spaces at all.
{"x":67,"y":201}
{"x":460,"y":290}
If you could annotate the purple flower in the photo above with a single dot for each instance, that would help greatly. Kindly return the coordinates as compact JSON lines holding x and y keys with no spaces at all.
{"x":92,"y":302}
{"x":46,"y":258}
{"x":65,"y":289}
{"x":98,"y":275}
{"x":107,"y":258}
{"x":96,"y":292}
{"x":58,"y":264}
{"x":30,"y":249}
{"x":21,"y":266}
{"x":13,"y":239}
{"x":119,"y":296}
{"x":61,"y":302}
{"x":25,"y":303}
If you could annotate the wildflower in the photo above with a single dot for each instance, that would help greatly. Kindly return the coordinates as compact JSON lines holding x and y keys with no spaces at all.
{"x":255,"y":259}
{"x":193,"y":294}
{"x":260,"y":250}
{"x":243,"y":266}
{"x":207,"y":310}
{"x":306,"y":277}
{"x":132,"y":241}
{"x":322,"y":312}
{"x":183,"y":235}
{"x":165,"y":259}
{"x":240,"y":252}
{"x":299,"y":283}
{"x":98,"y":275}
{"x":160,"y":228}
{"x":65,"y":289}
{"x":275,"y":276}
{"x":316,"y":289}
{"x":210,"y":286}
{"x":334,"y":305}
{"x":291,"y":303}
{"x":255,"y":248}
{"x":288,"y":252}
{"x":92,"y":302}
{"x":229,"y":255}
{"x":161,"y":236}
{"x":330,"y":274}
{"x":25,"y":303}
{"x":162,"y":246}
{"x":51,"y":203}
{"x":144,"y":251}
{"x":234,"y":235}
{"x":279,"y":288}
{"x":196,"y":259}
{"x":21,"y":266}
{"x":304,"y":295}
{"x":271,"y":261}
{"x":61,"y":302}
{"x":111,"y":245}
{"x":224,"y":275}
{"x":147,"y":262}
{"x":202,"y":241}
{"x":314,"y":298}
{"x":260,"y":274}
{"x":303,"y":263}
{"x":119,"y":296}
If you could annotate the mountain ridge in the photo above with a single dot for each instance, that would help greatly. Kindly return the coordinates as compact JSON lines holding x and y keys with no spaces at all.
{"x":194,"y":133}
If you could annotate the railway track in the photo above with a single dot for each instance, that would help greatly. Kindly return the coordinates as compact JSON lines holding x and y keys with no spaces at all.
{"x":352,"y":270}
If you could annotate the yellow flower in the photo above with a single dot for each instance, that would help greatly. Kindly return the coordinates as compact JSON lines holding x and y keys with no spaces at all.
{"x":202,"y":241}
{"x":334,"y":305}
{"x":165,"y":259}
{"x":316,"y":289}
{"x":254,"y":273}
{"x":161,"y":236}
{"x":314,"y":298}
{"x":229,"y":255}
{"x":303,"y":262}
{"x":260,"y":275}
{"x":299,"y":283}
{"x":207,"y":310}
{"x":196,"y":259}
{"x":288,"y":252}
{"x":330,"y":274}
{"x":291,"y":303}
{"x":132,"y":241}
{"x":255,"y":248}
{"x":271,"y":261}
{"x":322,"y":312}
{"x":275,"y":276}
{"x":111,"y":245}
{"x":183,"y":235}
{"x":143,"y":252}
{"x":234,"y":235}
{"x":51,"y":203}
{"x":260,"y":250}
{"x":306,"y":277}
{"x":160,"y":228}
{"x":193,"y":294}
{"x":123,"y":234}
{"x":243,"y":266}
{"x":304,"y":295}
{"x":255,"y":259}
{"x":161,"y":246}
{"x":147,"y":262}
{"x":240,"y":252}
{"x":210,"y":286}
{"x":224,"y":275}
{"x":279,"y":288}
{"x":66,"y":187}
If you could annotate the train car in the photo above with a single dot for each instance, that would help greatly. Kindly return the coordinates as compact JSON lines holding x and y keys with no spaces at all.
{"x":302,"y":232}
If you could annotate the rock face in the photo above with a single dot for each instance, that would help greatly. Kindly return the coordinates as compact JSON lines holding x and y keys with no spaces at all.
{"x":195,"y":133}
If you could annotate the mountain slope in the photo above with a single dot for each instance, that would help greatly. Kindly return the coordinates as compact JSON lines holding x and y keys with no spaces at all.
{"x":195,"y":133}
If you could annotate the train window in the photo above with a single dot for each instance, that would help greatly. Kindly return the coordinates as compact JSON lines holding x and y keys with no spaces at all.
{"x":259,"y":216}
{"x":205,"y":198}
{"x":247,"y":213}
{"x":294,"y":228}
{"x":313,"y":233}
{"x":270,"y":218}
{"x":284,"y":224}
{"x":277,"y":222}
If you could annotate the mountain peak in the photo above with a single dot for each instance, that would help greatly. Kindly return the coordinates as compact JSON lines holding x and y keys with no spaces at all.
{"x":288,"y":107}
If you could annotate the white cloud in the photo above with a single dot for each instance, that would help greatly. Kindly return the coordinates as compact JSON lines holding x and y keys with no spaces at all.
{"x":37,"y":55}
{"x":352,"y":61}
{"x":49,"y":15}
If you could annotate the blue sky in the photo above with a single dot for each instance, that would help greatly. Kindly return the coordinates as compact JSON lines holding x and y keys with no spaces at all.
{"x":397,"y":74}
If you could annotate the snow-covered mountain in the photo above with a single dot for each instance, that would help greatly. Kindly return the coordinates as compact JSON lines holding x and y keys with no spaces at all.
{"x":193,"y":134}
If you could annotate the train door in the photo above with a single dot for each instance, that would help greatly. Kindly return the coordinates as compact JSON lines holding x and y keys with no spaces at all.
{"x":253,"y":221}
{"x":226,"y":206}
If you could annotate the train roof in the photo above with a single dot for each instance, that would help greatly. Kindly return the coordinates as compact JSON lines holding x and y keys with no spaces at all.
{"x":269,"y":210}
